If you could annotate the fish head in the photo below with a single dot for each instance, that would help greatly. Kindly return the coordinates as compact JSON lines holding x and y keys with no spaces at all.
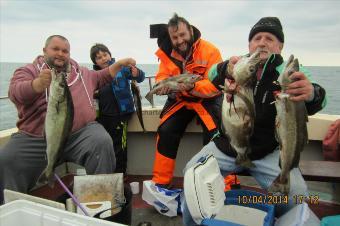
{"x":187,"y":78}
{"x":192,"y":78}
{"x":58,"y":83}
{"x":245,"y":69}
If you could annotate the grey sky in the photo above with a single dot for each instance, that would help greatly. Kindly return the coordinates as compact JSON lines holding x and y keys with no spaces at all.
{"x":311,"y":27}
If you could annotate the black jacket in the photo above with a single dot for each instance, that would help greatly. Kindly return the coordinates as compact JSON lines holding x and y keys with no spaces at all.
{"x":263,"y":140}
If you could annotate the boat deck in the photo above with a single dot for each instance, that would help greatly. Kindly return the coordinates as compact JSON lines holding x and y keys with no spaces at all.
{"x":142,"y":212}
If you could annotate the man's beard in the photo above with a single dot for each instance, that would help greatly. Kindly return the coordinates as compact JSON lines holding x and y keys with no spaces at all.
{"x":186,"y":52}
{"x":50,"y":62}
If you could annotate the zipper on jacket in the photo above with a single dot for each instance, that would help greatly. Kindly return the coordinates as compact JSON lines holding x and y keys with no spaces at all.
{"x":264,"y":68}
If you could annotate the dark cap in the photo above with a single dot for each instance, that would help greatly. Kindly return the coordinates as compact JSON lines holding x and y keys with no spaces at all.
{"x":268,"y":24}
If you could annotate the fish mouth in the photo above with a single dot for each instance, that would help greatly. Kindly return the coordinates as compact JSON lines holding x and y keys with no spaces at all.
{"x":198,"y":78}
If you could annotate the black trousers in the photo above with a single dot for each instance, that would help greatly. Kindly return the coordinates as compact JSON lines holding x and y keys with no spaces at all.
{"x":116,"y":126}
{"x":172,"y":130}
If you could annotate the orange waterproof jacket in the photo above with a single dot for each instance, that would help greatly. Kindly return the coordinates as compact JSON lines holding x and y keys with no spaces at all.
{"x":204,"y":55}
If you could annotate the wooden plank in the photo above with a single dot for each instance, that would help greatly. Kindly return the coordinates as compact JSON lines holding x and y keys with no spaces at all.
{"x":325,"y":171}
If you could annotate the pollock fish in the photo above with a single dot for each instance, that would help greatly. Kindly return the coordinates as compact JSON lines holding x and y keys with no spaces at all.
{"x":238,"y":116}
{"x":174,"y":83}
{"x":291,"y":129}
{"x":58,"y":123}
{"x":138,"y":103}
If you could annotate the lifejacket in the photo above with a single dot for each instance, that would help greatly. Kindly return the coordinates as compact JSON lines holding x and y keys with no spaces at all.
{"x":204,"y":55}
{"x":230,"y":182}
{"x":330,"y":143}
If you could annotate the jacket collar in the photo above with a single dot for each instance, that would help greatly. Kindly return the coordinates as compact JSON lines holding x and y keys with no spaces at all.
{"x":72,"y":70}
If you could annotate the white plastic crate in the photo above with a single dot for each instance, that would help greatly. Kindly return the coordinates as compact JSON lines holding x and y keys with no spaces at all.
{"x":22,"y":212}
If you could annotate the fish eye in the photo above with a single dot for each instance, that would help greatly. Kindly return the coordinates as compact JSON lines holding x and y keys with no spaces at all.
{"x":252,"y":69}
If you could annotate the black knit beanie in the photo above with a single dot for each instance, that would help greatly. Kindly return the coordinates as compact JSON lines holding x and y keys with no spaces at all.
{"x":268,"y":24}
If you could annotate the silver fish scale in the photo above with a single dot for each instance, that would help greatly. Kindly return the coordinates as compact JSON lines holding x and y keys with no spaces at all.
{"x":58,"y":122}
{"x":238,"y":117}
{"x":291,"y":129}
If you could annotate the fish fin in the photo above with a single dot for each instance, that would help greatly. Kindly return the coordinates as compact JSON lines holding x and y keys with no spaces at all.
{"x":280,"y":165}
{"x":223,"y":88}
{"x":244,"y":161}
{"x":296,"y":160}
{"x":230,"y":104}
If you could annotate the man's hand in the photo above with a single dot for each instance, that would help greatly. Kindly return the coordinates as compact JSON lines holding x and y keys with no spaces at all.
{"x":186,"y":87}
{"x":164,"y":90}
{"x":128,"y":62}
{"x":301,"y":89}
{"x":43,"y":81}
{"x":134,"y":71}
{"x":117,"y":66}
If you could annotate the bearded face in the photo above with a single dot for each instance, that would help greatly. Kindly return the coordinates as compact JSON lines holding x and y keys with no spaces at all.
{"x":181,"y":38}
{"x":57,"y":54}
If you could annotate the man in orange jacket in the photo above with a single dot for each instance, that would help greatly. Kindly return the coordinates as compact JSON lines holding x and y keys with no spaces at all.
{"x":181,"y":50}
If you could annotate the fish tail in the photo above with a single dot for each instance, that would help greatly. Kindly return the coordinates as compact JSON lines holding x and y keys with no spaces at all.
{"x":42,"y":179}
{"x":144,"y":130}
{"x":149,"y":97}
{"x":51,"y":180}
{"x":280,"y":184}
{"x":46,"y":177}
{"x":140,"y":118}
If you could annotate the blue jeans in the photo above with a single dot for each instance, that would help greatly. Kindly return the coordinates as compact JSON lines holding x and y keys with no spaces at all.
{"x":265,"y":172}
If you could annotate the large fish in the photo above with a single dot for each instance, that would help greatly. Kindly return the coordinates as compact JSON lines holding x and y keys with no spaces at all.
{"x":58,"y":123}
{"x":238,"y":116}
{"x":174,"y":83}
{"x":291,"y":128}
{"x":138,"y":103}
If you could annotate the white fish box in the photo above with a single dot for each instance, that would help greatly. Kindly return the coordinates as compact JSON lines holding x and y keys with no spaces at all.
{"x":22,"y":212}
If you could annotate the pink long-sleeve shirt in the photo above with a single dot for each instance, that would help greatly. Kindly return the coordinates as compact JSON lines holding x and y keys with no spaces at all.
{"x":32,"y":106}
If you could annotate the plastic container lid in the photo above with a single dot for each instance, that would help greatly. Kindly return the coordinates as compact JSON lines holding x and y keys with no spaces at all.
{"x":204,"y":189}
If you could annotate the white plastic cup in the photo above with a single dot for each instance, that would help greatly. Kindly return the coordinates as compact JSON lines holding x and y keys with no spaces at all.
{"x":134,"y":187}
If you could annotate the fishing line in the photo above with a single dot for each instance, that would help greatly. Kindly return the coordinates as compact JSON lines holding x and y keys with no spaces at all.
{"x":74,"y":199}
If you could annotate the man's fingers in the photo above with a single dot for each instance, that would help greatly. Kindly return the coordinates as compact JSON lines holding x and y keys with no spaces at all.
{"x":298,"y":98}
{"x":163,"y":91}
{"x":297,"y":75}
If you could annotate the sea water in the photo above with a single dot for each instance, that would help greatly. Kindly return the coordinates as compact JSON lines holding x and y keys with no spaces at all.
{"x":327,"y":77}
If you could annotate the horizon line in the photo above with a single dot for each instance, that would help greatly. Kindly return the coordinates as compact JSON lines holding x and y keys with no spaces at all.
{"x":305,"y":65}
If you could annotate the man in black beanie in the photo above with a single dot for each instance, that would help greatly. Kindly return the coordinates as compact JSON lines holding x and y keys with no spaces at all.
{"x":267,"y":37}
{"x":268,"y":24}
